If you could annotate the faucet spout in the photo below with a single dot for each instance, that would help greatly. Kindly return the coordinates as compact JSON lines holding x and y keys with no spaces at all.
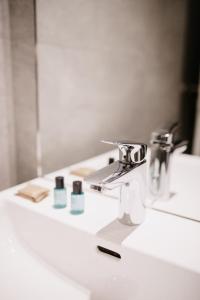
{"x":132,"y":198}
{"x":163,"y":145}
{"x":129,"y":175}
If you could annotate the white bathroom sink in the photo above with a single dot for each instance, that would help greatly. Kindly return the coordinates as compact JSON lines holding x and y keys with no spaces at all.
{"x":23,"y":274}
{"x":184,"y":183}
{"x":50,"y":254}
{"x":157,"y":260}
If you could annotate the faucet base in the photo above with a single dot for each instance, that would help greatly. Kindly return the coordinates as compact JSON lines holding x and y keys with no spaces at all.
{"x":132,"y":198}
{"x":126,"y":220}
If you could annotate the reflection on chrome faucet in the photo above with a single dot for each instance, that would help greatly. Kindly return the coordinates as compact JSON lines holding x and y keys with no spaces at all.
{"x":163,"y":145}
{"x":129,"y":174}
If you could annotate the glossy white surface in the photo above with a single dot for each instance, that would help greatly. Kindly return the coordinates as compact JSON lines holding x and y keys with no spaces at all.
{"x":163,"y":249}
{"x":172,"y":239}
{"x":23,"y":275}
{"x":161,"y":235}
{"x":159,"y":259}
{"x":99,"y":210}
{"x":74,"y":254}
{"x":185,"y":184}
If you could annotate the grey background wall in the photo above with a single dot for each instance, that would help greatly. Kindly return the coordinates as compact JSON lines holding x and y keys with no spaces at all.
{"x":23,"y":56}
{"x":106,"y":69}
{"x":18,"y":109}
{"x":7,"y":134}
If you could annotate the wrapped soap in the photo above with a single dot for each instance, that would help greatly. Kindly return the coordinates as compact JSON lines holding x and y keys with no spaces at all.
{"x":33,"y":192}
{"x":82,"y":172}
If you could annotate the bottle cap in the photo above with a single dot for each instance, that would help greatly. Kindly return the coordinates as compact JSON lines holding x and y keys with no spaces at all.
{"x":59,"y":182}
{"x":111,"y":160}
{"x":77,"y":187}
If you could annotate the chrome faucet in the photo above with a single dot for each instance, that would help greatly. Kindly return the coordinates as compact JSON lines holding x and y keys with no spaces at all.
{"x":162,"y":145}
{"x":129,"y":174}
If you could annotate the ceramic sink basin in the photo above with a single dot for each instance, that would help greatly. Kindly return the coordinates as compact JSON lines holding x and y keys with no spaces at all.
{"x":23,"y":274}
{"x":46,"y":251}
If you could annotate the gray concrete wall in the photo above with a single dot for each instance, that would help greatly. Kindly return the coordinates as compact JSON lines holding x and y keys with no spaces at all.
{"x":106,"y":69}
{"x":18,"y":106}
{"x":7,"y":124}
{"x":24,"y":86}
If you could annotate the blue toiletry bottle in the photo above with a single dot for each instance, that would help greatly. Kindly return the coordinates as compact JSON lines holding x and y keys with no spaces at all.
{"x":77,"y":199}
{"x":60,"y":194}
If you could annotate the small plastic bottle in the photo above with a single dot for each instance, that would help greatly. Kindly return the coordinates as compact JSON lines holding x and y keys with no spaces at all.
{"x":77,"y":199}
{"x":60,"y":194}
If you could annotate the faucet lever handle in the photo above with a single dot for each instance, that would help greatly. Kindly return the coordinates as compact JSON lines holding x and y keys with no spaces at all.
{"x":130,"y":152}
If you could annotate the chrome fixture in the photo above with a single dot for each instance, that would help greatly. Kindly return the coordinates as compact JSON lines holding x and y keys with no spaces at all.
{"x":163,"y":144}
{"x":129,"y":174}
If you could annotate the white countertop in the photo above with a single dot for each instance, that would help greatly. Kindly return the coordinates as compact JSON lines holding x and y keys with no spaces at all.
{"x":166,"y":237}
{"x":94,"y":163}
{"x":185,"y":185}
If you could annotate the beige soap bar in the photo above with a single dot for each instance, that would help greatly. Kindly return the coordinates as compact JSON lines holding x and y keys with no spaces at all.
{"x":82,"y":172}
{"x":33,"y":192}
